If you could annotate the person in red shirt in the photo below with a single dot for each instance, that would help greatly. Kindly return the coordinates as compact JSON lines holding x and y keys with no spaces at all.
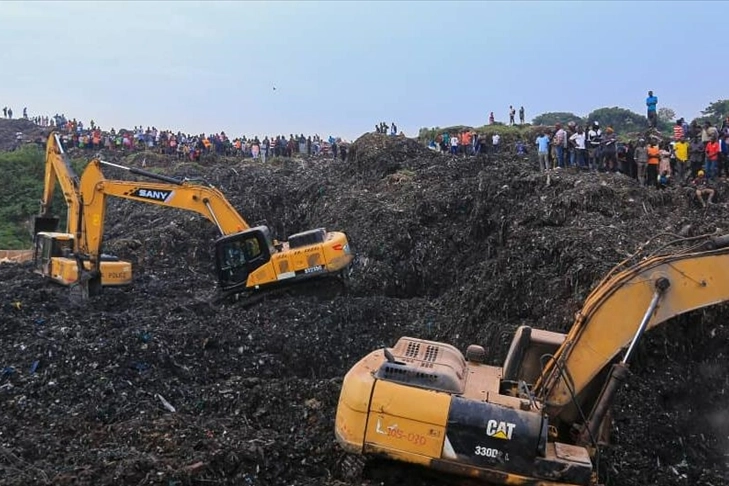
{"x":678,"y":130}
{"x":712,"y":158}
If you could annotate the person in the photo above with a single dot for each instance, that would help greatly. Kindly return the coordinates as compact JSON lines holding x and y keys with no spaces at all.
{"x":712,"y":158}
{"x":608,"y":149}
{"x":521,"y":115}
{"x":512,"y":114}
{"x":543,"y":151}
{"x":681,"y":150}
{"x":491,"y":118}
{"x":663,"y":179}
{"x":454,"y":144}
{"x":665,"y":162}
{"x":559,"y":142}
{"x":678,"y":130}
{"x":696,"y":155}
{"x":520,"y":148}
{"x":234,"y":255}
{"x":577,"y":140}
{"x":724,"y":156}
{"x":654,"y":158}
{"x":594,"y":138}
{"x":651,"y":102}
{"x":702,"y":188}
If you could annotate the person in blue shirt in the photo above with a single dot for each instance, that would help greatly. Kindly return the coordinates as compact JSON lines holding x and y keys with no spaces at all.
{"x":520,"y":148}
{"x":651,"y":102}
{"x":543,"y":151}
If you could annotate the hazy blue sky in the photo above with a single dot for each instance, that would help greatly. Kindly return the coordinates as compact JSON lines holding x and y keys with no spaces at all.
{"x":340,"y":67}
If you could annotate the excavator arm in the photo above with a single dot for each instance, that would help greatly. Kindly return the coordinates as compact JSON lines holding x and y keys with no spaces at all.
{"x":173,"y":193}
{"x":58,"y":168}
{"x":620,"y":310}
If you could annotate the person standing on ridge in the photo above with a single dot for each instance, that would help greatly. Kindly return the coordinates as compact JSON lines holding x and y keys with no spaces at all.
{"x":512,"y":114}
{"x":651,"y":102}
{"x":543,"y":151}
{"x":521,"y":115}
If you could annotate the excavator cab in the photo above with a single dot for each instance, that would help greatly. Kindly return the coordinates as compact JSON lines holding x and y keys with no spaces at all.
{"x":238,"y":255}
{"x":49,"y":245}
{"x":45,"y":224}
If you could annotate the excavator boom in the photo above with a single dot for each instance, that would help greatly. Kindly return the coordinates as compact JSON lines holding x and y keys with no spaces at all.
{"x":58,"y":168}
{"x":174,"y":193}
{"x":613,"y":313}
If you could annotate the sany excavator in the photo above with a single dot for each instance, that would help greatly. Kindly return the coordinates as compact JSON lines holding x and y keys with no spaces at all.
{"x":538,"y":419}
{"x":246,"y":258}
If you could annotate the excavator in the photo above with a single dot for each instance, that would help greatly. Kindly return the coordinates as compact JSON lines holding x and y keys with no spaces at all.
{"x":540,"y":418}
{"x":247,"y":259}
{"x":59,"y":255}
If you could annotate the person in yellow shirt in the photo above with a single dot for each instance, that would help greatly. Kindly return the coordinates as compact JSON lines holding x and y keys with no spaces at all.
{"x":681,"y":151}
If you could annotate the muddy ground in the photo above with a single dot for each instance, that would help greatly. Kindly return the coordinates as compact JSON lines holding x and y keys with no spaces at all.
{"x":459,"y":250}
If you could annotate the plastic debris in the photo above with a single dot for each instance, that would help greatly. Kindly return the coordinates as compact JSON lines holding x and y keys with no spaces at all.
{"x":165,"y":403}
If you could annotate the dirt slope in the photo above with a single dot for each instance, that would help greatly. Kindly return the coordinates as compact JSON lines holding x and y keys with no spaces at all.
{"x":450,"y":249}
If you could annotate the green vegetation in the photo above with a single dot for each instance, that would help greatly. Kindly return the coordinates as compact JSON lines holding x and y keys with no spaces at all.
{"x":509,"y":134}
{"x":714,"y":113}
{"x":21,"y":188}
{"x":21,"y":179}
{"x":564,"y":117}
{"x":620,"y":119}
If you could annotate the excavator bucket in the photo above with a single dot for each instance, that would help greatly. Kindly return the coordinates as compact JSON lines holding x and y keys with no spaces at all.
{"x":44,"y":223}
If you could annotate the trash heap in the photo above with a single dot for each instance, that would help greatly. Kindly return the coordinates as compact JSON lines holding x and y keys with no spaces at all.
{"x":150,"y":385}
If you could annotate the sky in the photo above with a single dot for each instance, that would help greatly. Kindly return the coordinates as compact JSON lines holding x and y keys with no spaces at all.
{"x":340,"y":67}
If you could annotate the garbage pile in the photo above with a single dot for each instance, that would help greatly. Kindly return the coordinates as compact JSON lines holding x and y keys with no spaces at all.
{"x":149,"y":385}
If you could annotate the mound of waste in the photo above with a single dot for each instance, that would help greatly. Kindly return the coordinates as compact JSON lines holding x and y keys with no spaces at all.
{"x":31,"y":133}
{"x":150,"y":385}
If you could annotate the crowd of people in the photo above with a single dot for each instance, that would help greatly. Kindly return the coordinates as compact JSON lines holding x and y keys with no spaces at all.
{"x":695,"y":154}
{"x":75,"y":134}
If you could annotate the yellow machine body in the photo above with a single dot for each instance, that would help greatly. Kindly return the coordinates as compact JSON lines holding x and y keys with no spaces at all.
{"x":52,"y":264}
{"x":432,"y":407}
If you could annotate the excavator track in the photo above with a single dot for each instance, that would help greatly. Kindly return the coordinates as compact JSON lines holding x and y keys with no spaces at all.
{"x":324,"y":287}
{"x":387,"y":472}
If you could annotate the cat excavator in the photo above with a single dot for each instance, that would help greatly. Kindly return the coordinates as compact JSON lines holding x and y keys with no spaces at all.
{"x":538,"y":419}
{"x":247,"y":259}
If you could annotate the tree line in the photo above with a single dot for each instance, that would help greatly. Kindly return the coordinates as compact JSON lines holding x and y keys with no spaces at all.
{"x":626,"y":121}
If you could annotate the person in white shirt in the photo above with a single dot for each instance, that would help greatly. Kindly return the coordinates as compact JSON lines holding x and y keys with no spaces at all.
{"x":594,"y":137}
{"x":577,"y":140}
{"x":454,"y":144}
{"x":495,"y":141}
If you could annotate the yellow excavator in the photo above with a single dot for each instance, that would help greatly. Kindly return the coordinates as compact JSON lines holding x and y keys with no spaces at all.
{"x":246,"y":258}
{"x":59,"y":255}
{"x":538,"y":419}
